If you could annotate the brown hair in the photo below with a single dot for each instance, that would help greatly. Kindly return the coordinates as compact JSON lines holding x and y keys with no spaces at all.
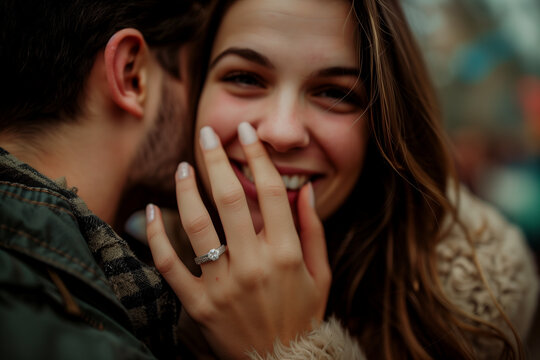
{"x":382,"y":240}
{"x":386,"y":288}
{"x":49,"y":47}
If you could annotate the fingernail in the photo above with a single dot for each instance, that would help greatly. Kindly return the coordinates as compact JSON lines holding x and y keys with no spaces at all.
{"x":150,"y":213}
{"x":311,"y":195}
{"x":208,"y":138}
{"x":246,"y":133}
{"x":183,"y":170}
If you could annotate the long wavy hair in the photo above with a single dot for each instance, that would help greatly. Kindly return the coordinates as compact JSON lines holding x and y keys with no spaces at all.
{"x":382,"y":241}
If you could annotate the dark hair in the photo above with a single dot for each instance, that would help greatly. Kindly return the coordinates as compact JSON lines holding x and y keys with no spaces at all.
{"x":382,"y":241}
{"x":48,"y":47}
{"x":385,"y":278}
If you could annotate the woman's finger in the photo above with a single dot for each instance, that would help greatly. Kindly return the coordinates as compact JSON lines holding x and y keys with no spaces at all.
{"x":272,"y":194}
{"x":195,"y":219}
{"x":228,"y":196}
{"x":313,"y":240}
{"x":186,"y":286}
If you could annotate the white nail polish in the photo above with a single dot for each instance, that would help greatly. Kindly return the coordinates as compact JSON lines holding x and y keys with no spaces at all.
{"x":311,"y":195}
{"x":208,"y":138}
{"x":183,"y":170}
{"x":150,"y":213}
{"x":246,"y":133}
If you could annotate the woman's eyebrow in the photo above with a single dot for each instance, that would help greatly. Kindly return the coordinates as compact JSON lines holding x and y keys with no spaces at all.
{"x":338,"y":71}
{"x":248,"y":54}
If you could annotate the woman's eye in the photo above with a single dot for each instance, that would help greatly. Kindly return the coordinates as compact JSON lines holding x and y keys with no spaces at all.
{"x":339,"y":95}
{"x":337,"y":99}
{"x":245,"y":79}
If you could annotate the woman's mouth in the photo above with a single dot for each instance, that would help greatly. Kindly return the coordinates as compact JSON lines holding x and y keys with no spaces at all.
{"x":292,"y":182}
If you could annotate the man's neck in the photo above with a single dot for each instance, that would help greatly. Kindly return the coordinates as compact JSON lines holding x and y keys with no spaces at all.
{"x":87,"y":157}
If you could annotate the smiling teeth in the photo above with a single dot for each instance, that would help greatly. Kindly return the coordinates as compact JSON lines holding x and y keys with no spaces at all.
{"x":292,"y":182}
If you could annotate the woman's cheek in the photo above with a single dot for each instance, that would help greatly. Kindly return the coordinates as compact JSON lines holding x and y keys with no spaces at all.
{"x":224,"y":115}
{"x":344,"y":140}
{"x":345,"y":145}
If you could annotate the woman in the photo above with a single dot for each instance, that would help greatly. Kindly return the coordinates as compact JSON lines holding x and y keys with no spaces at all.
{"x":337,"y":93}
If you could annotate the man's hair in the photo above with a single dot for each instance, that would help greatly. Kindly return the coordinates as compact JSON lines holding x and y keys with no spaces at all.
{"x":48,"y":47}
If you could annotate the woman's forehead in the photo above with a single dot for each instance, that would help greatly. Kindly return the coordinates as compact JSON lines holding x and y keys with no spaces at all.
{"x":312,"y":28}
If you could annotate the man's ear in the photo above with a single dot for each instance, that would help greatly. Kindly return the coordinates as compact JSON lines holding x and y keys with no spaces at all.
{"x":126,"y":64}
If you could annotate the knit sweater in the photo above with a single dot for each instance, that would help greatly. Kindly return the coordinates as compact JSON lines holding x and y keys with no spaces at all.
{"x":506,"y":263}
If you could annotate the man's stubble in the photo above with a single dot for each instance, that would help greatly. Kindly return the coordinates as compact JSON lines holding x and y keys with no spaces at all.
{"x":168,"y":142}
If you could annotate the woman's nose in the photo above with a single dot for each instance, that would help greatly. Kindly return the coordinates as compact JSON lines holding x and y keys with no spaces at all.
{"x":283,"y":127}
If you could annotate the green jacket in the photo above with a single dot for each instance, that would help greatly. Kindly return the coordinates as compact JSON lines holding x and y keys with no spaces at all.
{"x":55,"y":300}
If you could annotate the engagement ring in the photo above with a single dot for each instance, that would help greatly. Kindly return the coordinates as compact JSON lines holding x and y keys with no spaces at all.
{"x":212,"y":255}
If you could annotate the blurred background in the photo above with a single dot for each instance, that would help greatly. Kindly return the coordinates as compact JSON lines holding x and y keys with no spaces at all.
{"x":484,"y":59}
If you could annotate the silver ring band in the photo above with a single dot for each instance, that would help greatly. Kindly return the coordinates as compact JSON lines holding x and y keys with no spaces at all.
{"x":212,"y":255}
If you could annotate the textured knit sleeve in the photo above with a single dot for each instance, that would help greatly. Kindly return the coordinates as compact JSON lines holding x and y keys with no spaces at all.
{"x":505,"y":259}
{"x":329,"y":341}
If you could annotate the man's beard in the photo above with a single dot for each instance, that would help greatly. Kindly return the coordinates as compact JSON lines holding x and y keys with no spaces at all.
{"x":166,"y":144}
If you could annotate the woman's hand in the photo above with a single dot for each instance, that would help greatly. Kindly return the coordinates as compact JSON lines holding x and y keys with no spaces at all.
{"x":267,"y":286}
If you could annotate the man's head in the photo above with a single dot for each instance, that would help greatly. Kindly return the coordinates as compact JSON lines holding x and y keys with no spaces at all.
{"x":49,"y":47}
{"x":108,"y":77}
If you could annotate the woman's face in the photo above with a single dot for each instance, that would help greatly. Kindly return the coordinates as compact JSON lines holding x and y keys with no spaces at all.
{"x":290,"y":68}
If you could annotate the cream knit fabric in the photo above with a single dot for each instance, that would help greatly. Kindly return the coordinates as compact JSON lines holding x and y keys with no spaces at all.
{"x":507,"y":265}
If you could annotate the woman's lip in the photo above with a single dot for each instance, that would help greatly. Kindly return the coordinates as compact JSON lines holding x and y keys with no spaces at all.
{"x":283,"y":170}
{"x":250,"y":189}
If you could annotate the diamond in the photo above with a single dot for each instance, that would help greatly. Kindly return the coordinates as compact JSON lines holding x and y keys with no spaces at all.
{"x":213,"y":254}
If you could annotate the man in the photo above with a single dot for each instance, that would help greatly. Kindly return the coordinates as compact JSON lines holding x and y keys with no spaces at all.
{"x":89,"y":89}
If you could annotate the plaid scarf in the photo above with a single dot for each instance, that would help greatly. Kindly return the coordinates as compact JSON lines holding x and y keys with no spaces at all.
{"x":152,"y":306}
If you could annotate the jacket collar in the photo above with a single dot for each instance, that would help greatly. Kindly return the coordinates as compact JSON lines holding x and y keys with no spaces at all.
{"x":152,"y":306}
